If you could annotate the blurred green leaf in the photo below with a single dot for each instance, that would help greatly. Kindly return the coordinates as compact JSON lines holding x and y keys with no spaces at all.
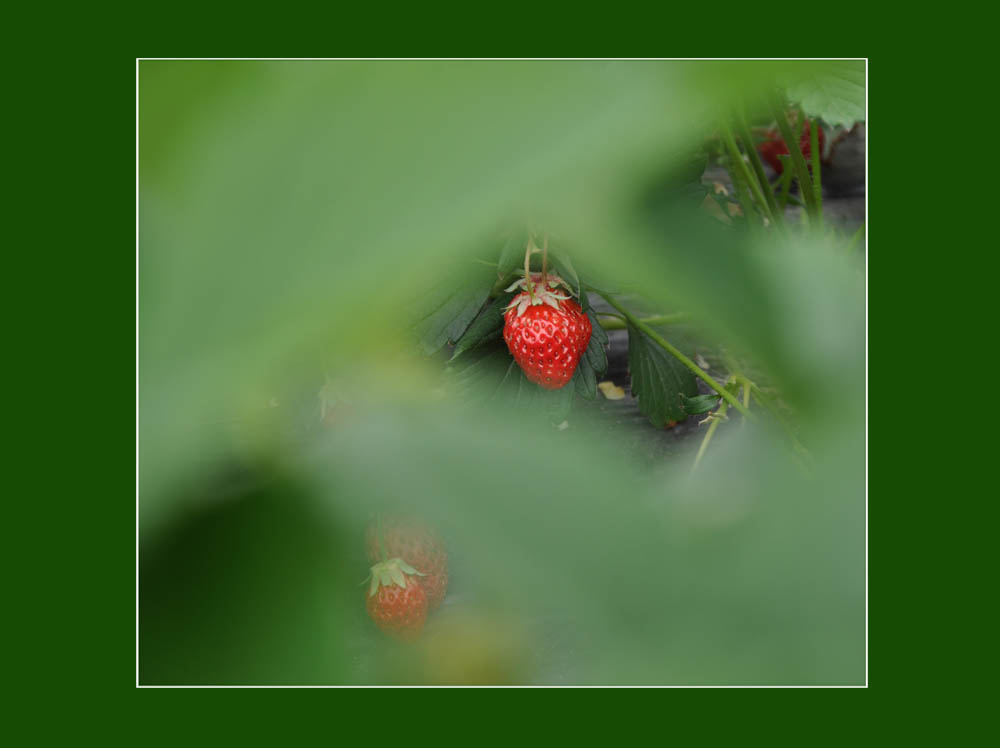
{"x":658,"y":379}
{"x":763,"y":568}
{"x":226,"y":600}
{"x":834,"y":92}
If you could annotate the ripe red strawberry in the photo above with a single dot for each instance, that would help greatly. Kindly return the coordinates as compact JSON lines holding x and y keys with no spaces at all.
{"x":546,"y":331}
{"x":396,"y":601}
{"x":419,"y":546}
{"x":775,"y":146}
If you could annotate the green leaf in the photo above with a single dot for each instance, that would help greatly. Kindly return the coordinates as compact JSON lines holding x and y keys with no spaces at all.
{"x":480,"y":373}
{"x":486,"y":326}
{"x":558,"y":403}
{"x":510,"y":373}
{"x":598,"y":330}
{"x":490,"y":373}
{"x":598,"y":340}
{"x":526,"y":396}
{"x":597,"y":358}
{"x":446,"y":311}
{"x":834,"y":92}
{"x":585,"y":379}
{"x":594,"y":361}
{"x":700,"y":404}
{"x":564,"y":267}
{"x":658,"y":379}
{"x":512,"y":254}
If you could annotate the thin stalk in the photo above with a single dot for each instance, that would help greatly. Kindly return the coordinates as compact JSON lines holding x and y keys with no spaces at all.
{"x":816,"y":177}
{"x":545,"y":258}
{"x":758,"y":167}
{"x":617,"y":322}
{"x":749,"y":213}
{"x":792,"y":200}
{"x":716,"y":419}
{"x":656,"y":338}
{"x":737,"y":158}
{"x":530,"y":250}
{"x":798,"y":160}
{"x":786,"y":183}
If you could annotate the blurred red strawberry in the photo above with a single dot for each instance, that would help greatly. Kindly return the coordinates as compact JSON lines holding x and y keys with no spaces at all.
{"x":774,"y":146}
{"x":418,"y":545}
{"x":396,"y":600}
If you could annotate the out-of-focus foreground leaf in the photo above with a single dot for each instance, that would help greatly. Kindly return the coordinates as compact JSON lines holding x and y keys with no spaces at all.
{"x":588,"y":571}
{"x":833,"y":92}
{"x":286,"y":207}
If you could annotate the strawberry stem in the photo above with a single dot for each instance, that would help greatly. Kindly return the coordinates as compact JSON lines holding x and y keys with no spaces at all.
{"x":798,"y":160}
{"x":527,"y":268}
{"x":659,"y":340}
{"x":545,"y":258}
{"x":786,"y":180}
{"x":381,"y":540}
{"x":740,"y":168}
{"x":612,"y":321}
{"x":817,"y":186}
{"x":716,"y":417}
{"x":743,"y":130}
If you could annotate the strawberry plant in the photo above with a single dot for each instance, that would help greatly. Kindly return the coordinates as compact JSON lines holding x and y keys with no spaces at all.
{"x":523,"y":330}
{"x":593,"y":317}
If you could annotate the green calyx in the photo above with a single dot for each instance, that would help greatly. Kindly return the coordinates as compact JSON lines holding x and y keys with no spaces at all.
{"x":541,"y":289}
{"x":391,"y":572}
